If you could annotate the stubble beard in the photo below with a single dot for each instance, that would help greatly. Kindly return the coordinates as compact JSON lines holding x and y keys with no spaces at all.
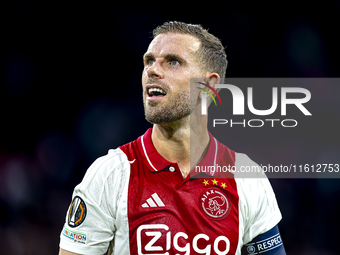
{"x":175,"y":109}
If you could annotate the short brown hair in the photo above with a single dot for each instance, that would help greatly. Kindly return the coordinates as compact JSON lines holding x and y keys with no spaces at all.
{"x":211,"y":53}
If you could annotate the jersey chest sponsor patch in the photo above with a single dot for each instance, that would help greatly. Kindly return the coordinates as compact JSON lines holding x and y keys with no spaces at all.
{"x":159,"y":239}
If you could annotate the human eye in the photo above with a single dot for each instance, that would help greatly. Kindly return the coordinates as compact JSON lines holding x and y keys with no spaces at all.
{"x":149,"y":61}
{"x":174,"y":62}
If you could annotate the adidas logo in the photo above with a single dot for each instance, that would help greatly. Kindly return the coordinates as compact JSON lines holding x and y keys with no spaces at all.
{"x":155,"y":202}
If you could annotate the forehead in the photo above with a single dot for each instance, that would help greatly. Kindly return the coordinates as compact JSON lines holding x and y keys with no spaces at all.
{"x":174,"y":43}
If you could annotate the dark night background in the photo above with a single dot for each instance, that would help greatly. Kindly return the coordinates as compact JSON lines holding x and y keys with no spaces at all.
{"x":71,"y":89}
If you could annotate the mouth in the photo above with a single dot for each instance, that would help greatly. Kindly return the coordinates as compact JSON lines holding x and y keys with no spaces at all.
{"x":154,"y":92}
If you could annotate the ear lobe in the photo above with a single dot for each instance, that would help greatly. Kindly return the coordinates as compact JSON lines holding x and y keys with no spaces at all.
{"x":200,"y":94}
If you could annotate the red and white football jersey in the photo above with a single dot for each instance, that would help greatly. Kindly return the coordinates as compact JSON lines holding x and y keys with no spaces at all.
{"x":133,"y":201}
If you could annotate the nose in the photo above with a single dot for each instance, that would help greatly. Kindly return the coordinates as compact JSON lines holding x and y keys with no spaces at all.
{"x":155,"y":70}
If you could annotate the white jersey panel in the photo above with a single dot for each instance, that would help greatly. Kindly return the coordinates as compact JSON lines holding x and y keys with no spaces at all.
{"x":103,"y":190}
{"x":258,"y":208}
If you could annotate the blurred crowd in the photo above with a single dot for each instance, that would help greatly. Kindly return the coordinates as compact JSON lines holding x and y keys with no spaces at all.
{"x":71,"y":90}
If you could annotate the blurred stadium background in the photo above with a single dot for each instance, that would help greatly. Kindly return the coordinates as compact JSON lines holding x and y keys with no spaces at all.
{"x":71,"y":90}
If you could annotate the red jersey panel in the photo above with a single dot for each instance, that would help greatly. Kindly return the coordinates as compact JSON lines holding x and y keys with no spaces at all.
{"x":171,"y":215}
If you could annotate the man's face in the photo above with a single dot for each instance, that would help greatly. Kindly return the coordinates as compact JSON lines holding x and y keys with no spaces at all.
{"x":169,"y":63}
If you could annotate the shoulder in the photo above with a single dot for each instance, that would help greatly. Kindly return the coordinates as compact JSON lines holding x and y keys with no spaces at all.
{"x":114,"y":160}
{"x":252,"y":181}
{"x":113,"y":169}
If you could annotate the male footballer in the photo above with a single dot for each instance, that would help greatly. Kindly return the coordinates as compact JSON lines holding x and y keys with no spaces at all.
{"x":141,"y":198}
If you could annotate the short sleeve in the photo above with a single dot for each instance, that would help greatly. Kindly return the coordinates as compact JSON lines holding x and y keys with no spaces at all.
{"x":90,"y":221}
{"x":258,"y":207}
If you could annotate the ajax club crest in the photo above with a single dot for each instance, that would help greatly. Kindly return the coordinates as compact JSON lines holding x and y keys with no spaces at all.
{"x":215,"y":204}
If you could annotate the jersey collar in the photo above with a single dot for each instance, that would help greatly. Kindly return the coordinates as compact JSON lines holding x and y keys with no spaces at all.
{"x":155,"y":162}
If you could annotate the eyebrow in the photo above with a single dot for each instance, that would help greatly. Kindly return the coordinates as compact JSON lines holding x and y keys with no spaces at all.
{"x":174,"y":56}
{"x":167,"y":56}
{"x":147,"y":55}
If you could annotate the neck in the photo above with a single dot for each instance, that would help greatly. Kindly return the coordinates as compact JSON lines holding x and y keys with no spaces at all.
{"x":182,"y":142}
